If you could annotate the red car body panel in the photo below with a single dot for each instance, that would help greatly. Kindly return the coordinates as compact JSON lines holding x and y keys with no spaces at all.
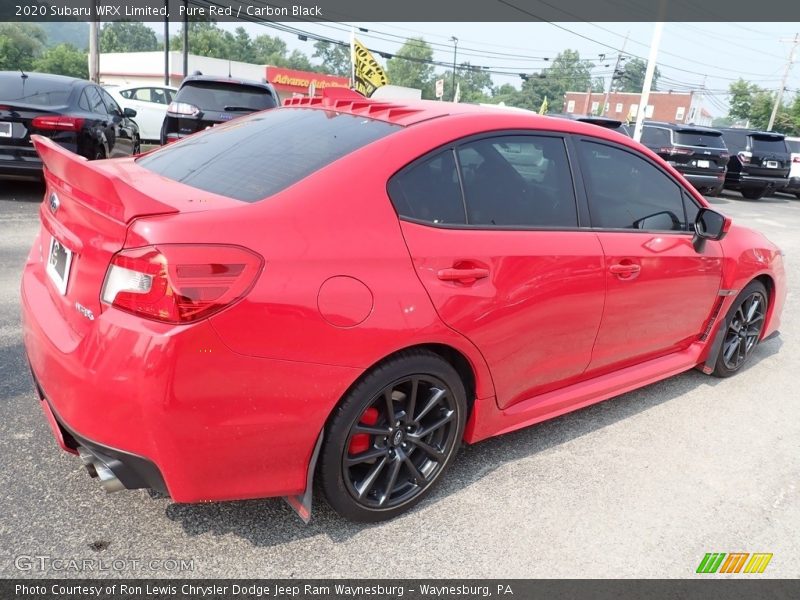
{"x":231,"y":406}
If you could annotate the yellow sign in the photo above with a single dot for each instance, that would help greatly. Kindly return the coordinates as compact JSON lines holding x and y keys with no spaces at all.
{"x":368,"y":73}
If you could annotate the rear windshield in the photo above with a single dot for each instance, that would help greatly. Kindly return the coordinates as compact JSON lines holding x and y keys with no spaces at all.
{"x":255,"y":157}
{"x":219,"y":96}
{"x":769,"y":144}
{"x":31,"y":90}
{"x":703,"y":139}
{"x":794,"y":146}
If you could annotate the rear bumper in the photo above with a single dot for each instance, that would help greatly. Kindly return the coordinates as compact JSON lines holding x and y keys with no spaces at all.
{"x":20,"y":168}
{"x":738,"y":181}
{"x":792,"y":186}
{"x":710,"y":182}
{"x":176,"y":408}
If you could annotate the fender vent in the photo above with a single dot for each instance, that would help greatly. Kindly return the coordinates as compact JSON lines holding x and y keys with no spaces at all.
{"x":712,"y":319}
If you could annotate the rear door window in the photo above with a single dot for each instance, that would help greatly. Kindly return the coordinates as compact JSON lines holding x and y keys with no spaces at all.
{"x":518,"y":181}
{"x":768,"y":144}
{"x":700,"y":139}
{"x":96,"y":104}
{"x":794,"y":146}
{"x":656,"y":137}
{"x":429,"y":190}
{"x":221,"y":96}
{"x":258,"y":156}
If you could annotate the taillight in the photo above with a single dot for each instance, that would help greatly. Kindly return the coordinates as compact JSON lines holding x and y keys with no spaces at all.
{"x":744,"y":157}
{"x":671,"y":150}
{"x":179,"y":283}
{"x":57,"y":123}
{"x":182,"y":108}
{"x":724,"y":156}
{"x":796,"y":159}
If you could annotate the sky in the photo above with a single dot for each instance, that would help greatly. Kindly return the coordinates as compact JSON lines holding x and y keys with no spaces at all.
{"x":691,"y":55}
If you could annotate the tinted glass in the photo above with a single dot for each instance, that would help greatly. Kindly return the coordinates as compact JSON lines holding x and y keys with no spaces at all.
{"x":701,"y":139}
{"x":95,"y":101}
{"x":768,"y":144}
{"x":111,"y":104}
{"x":518,"y":181}
{"x":429,"y":191}
{"x":735,"y":140}
{"x":32,"y":90}
{"x":254,"y":157}
{"x":691,"y":209}
{"x":794,"y":145}
{"x":214,"y":95}
{"x":627,"y":192}
{"x":655,"y":137}
{"x":83,"y":102}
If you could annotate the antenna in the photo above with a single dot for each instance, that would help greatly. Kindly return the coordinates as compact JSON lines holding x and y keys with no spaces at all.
{"x":23,"y":74}
{"x":229,"y":68}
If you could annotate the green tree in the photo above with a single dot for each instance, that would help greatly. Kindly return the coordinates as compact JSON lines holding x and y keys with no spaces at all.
{"x":242,"y":48}
{"x":753,"y":105}
{"x":631,"y":77}
{"x":64,"y":59}
{"x":474,"y":83}
{"x":567,"y":72}
{"x":741,"y":99}
{"x":411,"y":67}
{"x":206,"y":39}
{"x":335,"y":59}
{"x":506,"y":94}
{"x":269,"y":50}
{"x":124,"y":36}
{"x":20,"y":45}
{"x":297,"y":60}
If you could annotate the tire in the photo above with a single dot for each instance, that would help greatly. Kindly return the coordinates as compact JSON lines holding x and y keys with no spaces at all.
{"x":369,"y":468}
{"x":753,"y":194}
{"x":742,"y":329}
{"x":99,"y":153}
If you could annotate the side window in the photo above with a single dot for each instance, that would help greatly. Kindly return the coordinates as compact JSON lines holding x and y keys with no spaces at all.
{"x":627,"y":192}
{"x":518,"y":180}
{"x":691,"y":208}
{"x":113,"y":107}
{"x":95,"y":101}
{"x":429,"y":191}
{"x":655,"y":137}
{"x":83,"y":103}
{"x":127,"y":94}
{"x":158,"y":95}
{"x":142,"y":94}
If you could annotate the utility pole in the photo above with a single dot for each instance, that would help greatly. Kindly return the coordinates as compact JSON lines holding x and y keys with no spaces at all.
{"x":779,"y":97}
{"x":166,"y":43}
{"x":614,"y":73}
{"x":648,"y":79}
{"x":94,"y":51}
{"x":454,"y":39}
{"x":185,"y":38}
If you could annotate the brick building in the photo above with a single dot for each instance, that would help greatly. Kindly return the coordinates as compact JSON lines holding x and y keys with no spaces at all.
{"x":674,"y":107}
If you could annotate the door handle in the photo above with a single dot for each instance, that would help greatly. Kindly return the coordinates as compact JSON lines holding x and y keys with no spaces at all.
{"x":625,"y":270}
{"x":466,"y":275}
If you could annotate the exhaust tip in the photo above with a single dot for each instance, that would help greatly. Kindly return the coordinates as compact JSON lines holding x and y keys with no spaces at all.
{"x":98,"y":469}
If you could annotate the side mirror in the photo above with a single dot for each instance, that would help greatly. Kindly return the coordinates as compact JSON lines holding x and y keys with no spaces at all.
{"x":128,"y":113}
{"x":709,"y":225}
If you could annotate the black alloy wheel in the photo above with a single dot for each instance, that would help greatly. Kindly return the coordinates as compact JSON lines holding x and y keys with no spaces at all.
{"x":393,"y":436}
{"x":743,"y":326}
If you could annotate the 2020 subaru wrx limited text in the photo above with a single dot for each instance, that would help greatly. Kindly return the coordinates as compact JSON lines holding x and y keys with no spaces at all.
{"x":233,"y":317}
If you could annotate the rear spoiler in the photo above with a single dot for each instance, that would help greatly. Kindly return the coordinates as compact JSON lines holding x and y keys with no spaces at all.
{"x":97,"y":187}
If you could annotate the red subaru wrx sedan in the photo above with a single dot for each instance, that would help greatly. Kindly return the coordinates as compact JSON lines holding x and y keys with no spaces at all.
{"x":340,"y":291}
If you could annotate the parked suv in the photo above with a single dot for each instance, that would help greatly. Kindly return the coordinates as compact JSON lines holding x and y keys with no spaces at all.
{"x":698,"y":153}
{"x":793,"y":187}
{"x":759,"y":162}
{"x":202,"y":102}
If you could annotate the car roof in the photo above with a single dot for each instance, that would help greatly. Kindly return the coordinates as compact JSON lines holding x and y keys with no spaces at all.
{"x":411,"y":112}
{"x":218,"y":79}
{"x":752,"y":132}
{"x":43,"y":77}
{"x":683,"y":127}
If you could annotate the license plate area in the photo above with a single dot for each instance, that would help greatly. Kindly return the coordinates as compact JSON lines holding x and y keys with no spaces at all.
{"x":703,"y":164}
{"x":5,"y":130}
{"x":772,"y":164}
{"x":59,"y":260}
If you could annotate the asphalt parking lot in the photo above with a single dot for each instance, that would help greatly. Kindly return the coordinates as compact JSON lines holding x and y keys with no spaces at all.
{"x":642,"y":485}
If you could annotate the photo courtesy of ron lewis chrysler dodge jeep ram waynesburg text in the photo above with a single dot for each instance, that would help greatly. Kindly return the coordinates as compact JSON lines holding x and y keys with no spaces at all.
{"x":229,"y":317}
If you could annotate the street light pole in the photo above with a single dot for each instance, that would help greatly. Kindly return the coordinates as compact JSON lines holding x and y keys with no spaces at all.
{"x":454,"y":39}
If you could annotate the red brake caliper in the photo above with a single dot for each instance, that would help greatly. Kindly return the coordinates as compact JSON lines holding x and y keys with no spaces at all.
{"x":360,"y":442}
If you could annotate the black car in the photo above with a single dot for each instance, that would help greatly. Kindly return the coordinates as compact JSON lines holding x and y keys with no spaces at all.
{"x":760,"y":162}
{"x":697,"y":153}
{"x":608,"y":123}
{"x":203,"y":102}
{"x":75,"y":113}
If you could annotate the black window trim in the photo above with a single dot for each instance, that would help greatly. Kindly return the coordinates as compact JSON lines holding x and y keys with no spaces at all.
{"x":684,"y":192}
{"x":582,"y":216}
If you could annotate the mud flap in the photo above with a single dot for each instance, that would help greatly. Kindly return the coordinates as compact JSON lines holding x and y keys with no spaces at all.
{"x":716,"y":348}
{"x":302,"y":503}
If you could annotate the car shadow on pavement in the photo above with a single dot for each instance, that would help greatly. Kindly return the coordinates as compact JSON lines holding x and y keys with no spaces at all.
{"x":272,"y":522}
